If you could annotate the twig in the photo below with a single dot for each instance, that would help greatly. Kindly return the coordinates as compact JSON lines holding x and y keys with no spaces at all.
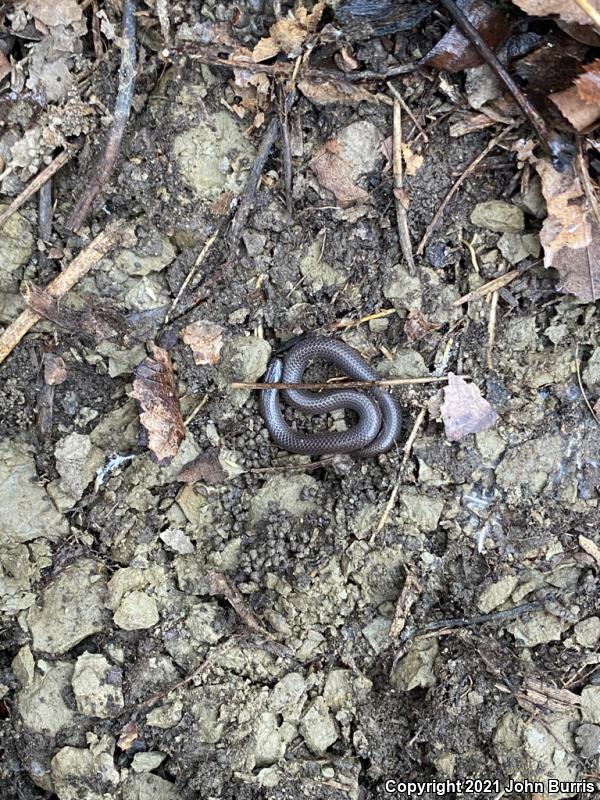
{"x":401,"y":216}
{"x":201,"y":256}
{"x":195,"y":410}
{"x":487,"y":288}
{"x":557,"y":148}
{"x":117,"y":127}
{"x":286,"y":153}
{"x":322,"y":462}
{"x":439,"y":213}
{"x":580,"y":382}
{"x":243,"y":211}
{"x":221,"y":584}
{"x":283,"y":69}
{"x":407,"y":108}
{"x":45,"y":211}
{"x":492,"y":328}
{"x":408,"y":595}
{"x":406,"y":450}
{"x":35,"y":185}
{"x":387,"y":510}
{"x":590,"y":10}
{"x":63,"y":282}
{"x":479,"y":619}
{"x":344,"y":384}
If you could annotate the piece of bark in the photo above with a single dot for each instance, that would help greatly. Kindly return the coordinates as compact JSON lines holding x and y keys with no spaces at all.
{"x":154,"y":389}
{"x":206,"y":468}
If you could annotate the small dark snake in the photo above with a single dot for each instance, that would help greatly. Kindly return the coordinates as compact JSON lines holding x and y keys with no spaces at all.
{"x":379,"y":417}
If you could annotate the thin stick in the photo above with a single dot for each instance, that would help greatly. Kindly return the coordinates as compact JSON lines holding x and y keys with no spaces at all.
{"x":590,"y":10}
{"x":35,"y":185}
{"x":401,"y":216}
{"x":195,"y":410}
{"x":439,"y":213}
{"x":45,"y":211}
{"x":492,"y":328}
{"x":580,"y":382}
{"x":63,"y":282}
{"x":491,"y":286}
{"x":286,"y":153}
{"x":407,"y":108}
{"x":201,"y":256}
{"x":479,"y":619}
{"x":344,"y":384}
{"x":552,"y":142}
{"x":406,"y":450}
{"x":117,"y":128}
{"x":387,"y":510}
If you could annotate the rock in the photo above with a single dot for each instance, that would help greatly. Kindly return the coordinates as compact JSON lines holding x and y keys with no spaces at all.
{"x":209,"y":154}
{"x":587,"y":632}
{"x":291,"y":493}
{"x":26,"y":511}
{"x":491,"y":445}
{"x":85,"y":774}
{"x":481,"y":86}
{"x":97,"y":686}
{"x":591,"y":373}
{"x":289,"y":696}
{"x":121,"y":360}
{"x":254,"y":242}
{"x":151,"y":254}
{"x":72,"y":608}
{"x":538,"y":749}
{"x":146,"y":762}
{"x":269,"y":746}
{"x":166,"y":716}
{"x":344,"y":689}
{"x":497,"y":593}
{"x":537,"y":628}
{"x":146,"y":786}
{"x":317,"y":272}
{"x":416,"y":668}
{"x":525,"y":469}
{"x":405,"y":363}
{"x":516,"y":247}
{"x":422,"y":515}
{"x":16,"y":246}
{"x":244,"y":358}
{"x":590,"y":704}
{"x":533,"y":202}
{"x":41,"y":703}
{"x":404,"y":290}
{"x":377,"y":633}
{"x":77,"y":460}
{"x":136,"y":611}
{"x":498,"y":215}
{"x":176,"y":540}
{"x":23,"y":666}
{"x":587,"y":739}
{"x":318,"y":728}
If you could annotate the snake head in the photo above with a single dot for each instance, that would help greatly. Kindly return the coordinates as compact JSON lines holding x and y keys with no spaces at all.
{"x":274,"y":371}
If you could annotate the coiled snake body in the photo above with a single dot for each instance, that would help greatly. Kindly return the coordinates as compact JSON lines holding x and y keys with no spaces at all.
{"x":379,"y":417}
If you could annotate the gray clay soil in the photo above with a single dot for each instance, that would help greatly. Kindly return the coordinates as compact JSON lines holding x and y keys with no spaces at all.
{"x":124,"y":674}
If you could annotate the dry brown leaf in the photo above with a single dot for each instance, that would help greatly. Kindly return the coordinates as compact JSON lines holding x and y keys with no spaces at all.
{"x":570,"y":236}
{"x":205,"y":468}
{"x":335,"y":173}
{"x":464,"y":410}
{"x":129,"y":733}
{"x":580,"y":103}
{"x":55,"y":371}
{"x":567,"y":10}
{"x":54,"y":13}
{"x":412,"y":161}
{"x":154,"y":389}
{"x":419,"y":327}
{"x":454,"y":52}
{"x":288,"y":35}
{"x":324,"y":93}
{"x":206,"y":340}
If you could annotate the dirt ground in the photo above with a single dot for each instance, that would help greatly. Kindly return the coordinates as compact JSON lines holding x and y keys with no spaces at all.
{"x":231,"y":639}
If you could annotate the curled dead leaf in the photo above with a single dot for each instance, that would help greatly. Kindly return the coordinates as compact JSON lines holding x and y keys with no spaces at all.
{"x":205,"y":468}
{"x":580,"y":103}
{"x":464,"y":410}
{"x":154,"y":389}
{"x":419,"y":327}
{"x":454,"y":52}
{"x":570,"y":236}
{"x":288,"y":34}
{"x":567,"y":10}
{"x":205,"y":339}
{"x":324,"y":93}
